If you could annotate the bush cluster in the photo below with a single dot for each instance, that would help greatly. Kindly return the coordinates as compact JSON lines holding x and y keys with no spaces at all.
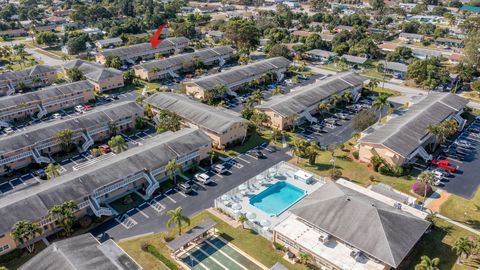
{"x":168,"y":263}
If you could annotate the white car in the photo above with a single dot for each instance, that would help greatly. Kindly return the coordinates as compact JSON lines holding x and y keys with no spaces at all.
{"x":8,"y":130}
{"x":203,"y":178}
{"x":79,"y":108}
{"x":219,"y":168}
{"x":57,"y":116}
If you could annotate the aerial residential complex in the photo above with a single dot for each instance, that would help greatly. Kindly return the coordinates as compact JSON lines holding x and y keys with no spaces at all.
{"x":299,"y":105}
{"x":344,"y":226}
{"x":169,"y":67}
{"x":137,"y":170}
{"x":236,"y":77}
{"x":82,"y":252}
{"x":37,"y":76}
{"x":224,"y":127}
{"x":102,"y":78}
{"x":29,"y":146}
{"x":144,"y":50}
{"x":46,"y":100}
{"x":403,"y":138}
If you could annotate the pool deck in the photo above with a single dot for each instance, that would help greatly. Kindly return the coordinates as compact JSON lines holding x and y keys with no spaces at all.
{"x":283,"y":169}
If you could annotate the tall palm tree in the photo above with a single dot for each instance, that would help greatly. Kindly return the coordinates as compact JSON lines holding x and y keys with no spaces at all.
{"x":463,"y":247}
{"x":118,"y":144}
{"x":65,"y":138}
{"x":427,"y":178}
{"x":242,"y":219}
{"x":324,"y":107}
{"x":65,"y":57}
{"x":171,"y":170}
{"x":52,"y":170}
{"x":65,"y":215}
{"x":116,"y":62}
{"x":347,"y":97}
{"x":212,"y":155}
{"x":428,"y":264}
{"x":440,"y":133}
{"x":257,"y":95}
{"x":275,"y":134}
{"x":381,"y":102}
{"x":23,"y":231}
{"x":177,"y":218}
{"x":292,"y":118}
{"x":297,"y":149}
{"x":372,"y":84}
{"x":335,"y":99}
{"x":312,"y":151}
{"x":277,"y":91}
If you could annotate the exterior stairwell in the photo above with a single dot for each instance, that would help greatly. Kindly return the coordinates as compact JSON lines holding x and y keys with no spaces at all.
{"x":88,"y":141}
{"x":11,"y":89}
{"x":309,"y":117}
{"x":152,"y":184}
{"x":4,"y":124}
{"x":221,"y":61}
{"x":172,"y":73}
{"x":39,"y":158}
{"x":42,"y":112}
{"x":98,"y":210}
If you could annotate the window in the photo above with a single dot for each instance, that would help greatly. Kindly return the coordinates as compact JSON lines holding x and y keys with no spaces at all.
{"x":3,"y":248}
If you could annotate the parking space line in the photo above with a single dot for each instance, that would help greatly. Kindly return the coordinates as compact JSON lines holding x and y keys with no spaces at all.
{"x":219,"y":175}
{"x":250,"y":156}
{"x":170,"y":198}
{"x":243,"y":159}
{"x":181,"y":193}
{"x":141,"y":212}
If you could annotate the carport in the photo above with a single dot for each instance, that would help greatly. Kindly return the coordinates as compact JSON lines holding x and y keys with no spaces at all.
{"x":192,"y":237}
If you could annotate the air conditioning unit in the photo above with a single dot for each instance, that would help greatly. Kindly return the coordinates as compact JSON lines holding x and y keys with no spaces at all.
{"x":397,"y":205}
{"x":324,"y":238}
{"x":354,"y":253}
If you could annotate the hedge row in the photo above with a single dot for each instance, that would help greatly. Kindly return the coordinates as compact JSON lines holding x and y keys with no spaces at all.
{"x":168,"y":263}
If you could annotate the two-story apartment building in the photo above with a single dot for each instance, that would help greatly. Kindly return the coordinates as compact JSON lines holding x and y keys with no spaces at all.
{"x":144,"y":50}
{"x":102,"y":78}
{"x":169,"y":67}
{"x":299,"y":105}
{"x":31,"y":145}
{"x":236,"y":77}
{"x":36,"y":76}
{"x":403,"y":138}
{"x":222,"y":126}
{"x":139,"y":170}
{"x":46,"y":100}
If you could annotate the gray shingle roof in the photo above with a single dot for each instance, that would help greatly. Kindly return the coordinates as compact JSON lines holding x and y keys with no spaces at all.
{"x":202,"y":115}
{"x":34,"y":202}
{"x":410,"y":35}
{"x":81,"y":252}
{"x":426,"y":52}
{"x":321,"y":53}
{"x":93,"y":71}
{"x":240,"y":73}
{"x":191,"y":235}
{"x":395,"y":66}
{"x":45,"y":93}
{"x":45,"y":131}
{"x":299,"y":100}
{"x":20,"y":74}
{"x":402,"y":134}
{"x":146,"y":48}
{"x":377,"y":229}
{"x":451,"y":40}
{"x":180,"y":59}
{"x":109,"y":41}
{"x":354,"y":59}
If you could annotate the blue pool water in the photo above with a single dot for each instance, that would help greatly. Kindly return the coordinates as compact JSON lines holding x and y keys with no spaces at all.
{"x":277,"y":198}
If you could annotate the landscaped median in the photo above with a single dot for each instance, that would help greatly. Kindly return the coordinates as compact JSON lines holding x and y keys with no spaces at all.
{"x":249,"y":242}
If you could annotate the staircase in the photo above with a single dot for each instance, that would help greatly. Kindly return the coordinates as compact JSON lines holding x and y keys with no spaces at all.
{"x":309,"y":117}
{"x":39,"y":158}
{"x":422,"y":153}
{"x":280,"y":76}
{"x":4,"y":124}
{"x":42,"y":112}
{"x":356,"y":97}
{"x":152,"y":184}
{"x":221,"y":61}
{"x":11,"y":89}
{"x":173,"y":74}
{"x":231,"y":93}
{"x":98,"y":210}
{"x":88,"y":141}
{"x":461,"y":121}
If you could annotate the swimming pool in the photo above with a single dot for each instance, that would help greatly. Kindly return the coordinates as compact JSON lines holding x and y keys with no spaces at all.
{"x":277,"y":198}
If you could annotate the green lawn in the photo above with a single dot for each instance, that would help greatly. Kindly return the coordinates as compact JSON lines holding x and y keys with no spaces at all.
{"x":374,"y":73}
{"x":463,"y":210}
{"x":254,"y":140}
{"x":256,"y":246}
{"x":380,"y":89}
{"x":121,"y":205}
{"x":333,"y":67}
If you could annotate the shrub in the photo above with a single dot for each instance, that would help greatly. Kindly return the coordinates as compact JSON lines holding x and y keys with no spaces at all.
{"x":95,"y":152}
{"x":9,"y":257}
{"x":376,"y":161}
{"x":355,"y":154}
{"x":278,"y":246}
{"x":335,"y":173}
{"x":391,"y":171}
{"x":85,"y":221}
{"x":168,"y":263}
{"x":419,"y":188}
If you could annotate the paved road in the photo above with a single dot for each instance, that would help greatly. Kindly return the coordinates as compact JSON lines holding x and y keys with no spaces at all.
{"x":42,"y":57}
{"x":146,"y":219}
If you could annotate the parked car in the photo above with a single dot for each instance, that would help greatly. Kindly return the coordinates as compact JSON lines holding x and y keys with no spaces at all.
{"x":257,"y":153}
{"x":203,"y":178}
{"x":104,"y":148}
{"x":41,"y":174}
{"x":444,"y":164}
{"x":219,"y":168}
{"x":185,"y":187}
{"x":8,"y":130}
{"x":87,"y":108}
{"x":57,"y":116}
{"x":79,"y":108}
{"x":446,"y":173}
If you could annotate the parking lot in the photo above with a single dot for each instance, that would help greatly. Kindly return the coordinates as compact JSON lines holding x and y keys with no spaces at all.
{"x":150,"y":216}
{"x":463,"y":152}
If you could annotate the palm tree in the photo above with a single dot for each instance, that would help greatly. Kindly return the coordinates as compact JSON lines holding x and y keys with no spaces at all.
{"x":116,"y":62}
{"x":65,"y":138}
{"x":277,"y":91}
{"x":304,"y":257}
{"x":212,"y":155}
{"x":65,"y":57}
{"x":75,"y":74}
{"x":440,"y":133}
{"x":23,"y":231}
{"x":117,"y":144}
{"x":257,"y":95}
{"x":171,"y":170}
{"x":312,"y":152}
{"x":36,"y":81}
{"x":259,"y":119}
{"x":242,"y":219}
{"x":324,"y":107}
{"x":347,"y":97}
{"x":463,"y":247}
{"x":292,"y":118}
{"x":65,"y":215}
{"x":52,"y":170}
{"x":427,"y":178}
{"x":297,"y":149}
{"x":275,"y":134}
{"x":334,"y":100}
{"x":177,"y":218}
{"x":372,"y":84}
{"x":428,"y":264}
{"x":381,"y":102}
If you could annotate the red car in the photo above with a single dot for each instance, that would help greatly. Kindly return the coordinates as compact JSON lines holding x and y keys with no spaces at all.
{"x":443,"y":163}
{"x":87,"y":108}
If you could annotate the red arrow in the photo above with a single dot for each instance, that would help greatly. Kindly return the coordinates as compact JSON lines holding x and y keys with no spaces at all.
{"x":155,"y":40}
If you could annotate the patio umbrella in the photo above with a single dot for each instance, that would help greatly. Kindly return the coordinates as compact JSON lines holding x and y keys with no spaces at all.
{"x":236,"y":206}
{"x":251,"y":215}
{"x":225,"y":197}
{"x":260,"y":177}
{"x":242,"y":187}
{"x":265,"y":223}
